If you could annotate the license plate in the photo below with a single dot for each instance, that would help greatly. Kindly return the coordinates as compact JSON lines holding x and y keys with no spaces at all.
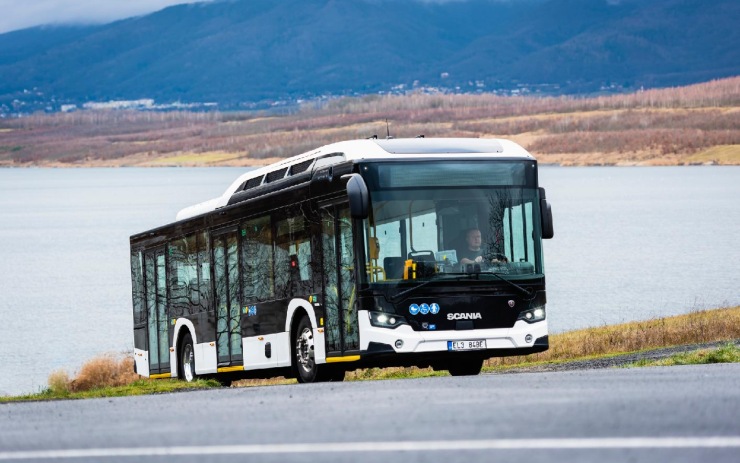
{"x":466,"y":345}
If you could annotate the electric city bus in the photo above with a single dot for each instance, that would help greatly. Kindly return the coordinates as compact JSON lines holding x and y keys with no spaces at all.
{"x":365,"y":253}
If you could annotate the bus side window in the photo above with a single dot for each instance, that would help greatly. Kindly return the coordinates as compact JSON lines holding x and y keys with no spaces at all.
{"x":176,"y":281}
{"x":292,"y":257}
{"x":137,"y":288}
{"x":204,"y":271}
{"x":257,"y":257}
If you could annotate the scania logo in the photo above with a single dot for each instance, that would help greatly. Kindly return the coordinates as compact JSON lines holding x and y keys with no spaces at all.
{"x":464,"y":316}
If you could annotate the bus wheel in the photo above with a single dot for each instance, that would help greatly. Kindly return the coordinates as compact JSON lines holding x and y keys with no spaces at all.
{"x":305,"y":362}
{"x":469,"y":367}
{"x":187,"y":359}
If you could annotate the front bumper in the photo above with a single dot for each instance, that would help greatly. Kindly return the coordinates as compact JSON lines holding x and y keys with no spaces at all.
{"x":499,"y":341}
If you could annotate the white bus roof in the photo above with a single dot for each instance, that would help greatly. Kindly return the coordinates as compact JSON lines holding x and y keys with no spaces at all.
{"x":398,"y":148}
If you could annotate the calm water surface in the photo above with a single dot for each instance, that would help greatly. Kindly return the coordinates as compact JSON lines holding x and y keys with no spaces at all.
{"x":630,"y":243}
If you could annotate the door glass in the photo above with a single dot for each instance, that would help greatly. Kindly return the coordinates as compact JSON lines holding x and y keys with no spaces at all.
{"x":222,"y":303}
{"x":156,"y":304}
{"x":347,"y":274}
{"x":331,"y":289}
{"x":164,"y":342}
{"x":226,"y":272}
{"x":339,"y":280}
{"x":232,"y":270}
{"x":151,"y":306}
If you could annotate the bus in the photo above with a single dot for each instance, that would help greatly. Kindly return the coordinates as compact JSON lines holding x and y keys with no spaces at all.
{"x":366,"y":253}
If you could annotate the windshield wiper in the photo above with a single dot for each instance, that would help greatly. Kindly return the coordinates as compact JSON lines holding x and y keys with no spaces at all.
{"x":526,"y":291}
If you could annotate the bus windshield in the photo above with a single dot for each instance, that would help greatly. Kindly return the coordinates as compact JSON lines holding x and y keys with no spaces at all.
{"x":478,"y":218}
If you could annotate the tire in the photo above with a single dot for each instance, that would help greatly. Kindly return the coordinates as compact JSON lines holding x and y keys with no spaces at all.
{"x":305,"y":368}
{"x":186,"y":365}
{"x":467,"y":367}
{"x":304,"y":363}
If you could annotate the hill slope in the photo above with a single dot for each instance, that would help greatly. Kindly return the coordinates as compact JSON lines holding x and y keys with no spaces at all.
{"x":696,"y":124}
{"x":239,"y":51}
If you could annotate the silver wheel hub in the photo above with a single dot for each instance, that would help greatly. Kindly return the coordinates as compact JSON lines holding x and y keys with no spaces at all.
{"x":304,"y":349}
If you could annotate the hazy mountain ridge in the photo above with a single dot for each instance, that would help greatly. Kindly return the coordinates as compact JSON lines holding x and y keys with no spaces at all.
{"x":244,"y":51}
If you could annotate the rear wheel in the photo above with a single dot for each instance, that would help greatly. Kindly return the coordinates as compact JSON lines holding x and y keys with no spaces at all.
{"x":186,"y":367}
{"x":467,"y":367}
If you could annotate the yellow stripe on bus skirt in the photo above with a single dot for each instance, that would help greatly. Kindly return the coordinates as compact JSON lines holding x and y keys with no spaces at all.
{"x":348,"y":358}
{"x":228,"y":369}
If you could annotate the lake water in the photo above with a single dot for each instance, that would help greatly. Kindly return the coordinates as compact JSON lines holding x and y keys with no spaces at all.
{"x":630,"y":244}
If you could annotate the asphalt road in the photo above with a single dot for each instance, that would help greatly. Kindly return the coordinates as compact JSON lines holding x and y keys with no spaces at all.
{"x":672,"y":414}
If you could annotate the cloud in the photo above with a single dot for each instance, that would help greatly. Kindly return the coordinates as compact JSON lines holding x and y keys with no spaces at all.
{"x":19,"y":14}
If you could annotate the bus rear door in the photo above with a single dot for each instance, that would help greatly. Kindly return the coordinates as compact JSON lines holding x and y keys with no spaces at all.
{"x":155,"y":277}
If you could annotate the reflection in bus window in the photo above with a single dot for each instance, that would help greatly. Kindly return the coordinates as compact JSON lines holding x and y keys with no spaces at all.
{"x":137,"y":287}
{"x":257,"y":257}
{"x":292,"y":256}
{"x":331,"y":290}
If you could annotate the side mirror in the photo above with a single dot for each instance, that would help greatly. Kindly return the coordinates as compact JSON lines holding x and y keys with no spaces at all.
{"x":359,"y":198}
{"x":546,"y":215}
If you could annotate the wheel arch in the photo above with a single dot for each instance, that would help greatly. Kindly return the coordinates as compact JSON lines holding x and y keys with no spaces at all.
{"x":295,"y":308}
{"x":183,"y":326}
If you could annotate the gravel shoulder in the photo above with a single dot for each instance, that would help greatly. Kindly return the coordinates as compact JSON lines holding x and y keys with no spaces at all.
{"x":614,"y":361}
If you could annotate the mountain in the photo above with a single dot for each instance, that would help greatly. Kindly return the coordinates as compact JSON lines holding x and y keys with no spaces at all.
{"x":243,"y":51}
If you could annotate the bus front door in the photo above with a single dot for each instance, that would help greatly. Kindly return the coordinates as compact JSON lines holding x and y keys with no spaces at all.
{"x":341,"y":328}
{"x":228,"y":310}
{"x":156,"y":306}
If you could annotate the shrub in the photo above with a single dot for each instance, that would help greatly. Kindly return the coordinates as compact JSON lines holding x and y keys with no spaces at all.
{"x":59,"y":382}
{"x":107,"y":370}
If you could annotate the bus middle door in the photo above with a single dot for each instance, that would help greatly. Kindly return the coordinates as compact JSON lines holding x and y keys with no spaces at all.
{"x":226,"y":284}
{"x":341,"y":328}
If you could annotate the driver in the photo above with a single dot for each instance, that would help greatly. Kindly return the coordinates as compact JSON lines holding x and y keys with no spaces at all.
{"x":473,"y":253}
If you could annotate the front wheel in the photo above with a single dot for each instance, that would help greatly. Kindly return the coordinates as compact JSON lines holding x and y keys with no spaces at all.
{"x":304,"y":364}
{"x":469,"y":367}
{"x":186,"y":368}
{"x":304,"y":360}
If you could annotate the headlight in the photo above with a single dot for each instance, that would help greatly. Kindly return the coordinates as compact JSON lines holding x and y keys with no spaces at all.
{"x":386,"y":320}
{"x":532,"y":315}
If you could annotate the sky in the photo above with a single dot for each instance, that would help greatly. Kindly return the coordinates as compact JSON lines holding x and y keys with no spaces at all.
{"x":19,"y":14}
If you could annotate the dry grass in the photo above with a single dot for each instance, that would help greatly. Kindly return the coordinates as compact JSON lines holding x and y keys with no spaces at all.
{"x":264,"y":382}
{"x":693,"y":328}
{"x":107,"y":370}
{"x":59,"y":382}
{"x":665,"y":126}
{"x":722,"y":154}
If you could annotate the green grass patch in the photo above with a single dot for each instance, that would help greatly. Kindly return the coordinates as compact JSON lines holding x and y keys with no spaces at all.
{"x":140,"y":387}
{"x":728,"y":353}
